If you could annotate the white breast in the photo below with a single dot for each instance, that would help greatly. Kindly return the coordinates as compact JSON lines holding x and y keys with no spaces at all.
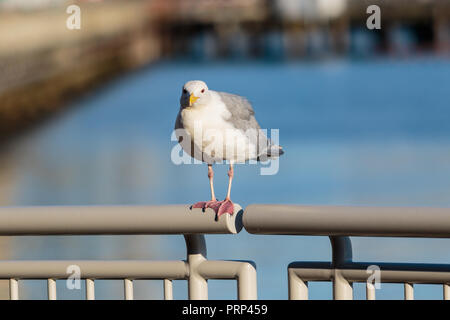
{"x":216,"y":137}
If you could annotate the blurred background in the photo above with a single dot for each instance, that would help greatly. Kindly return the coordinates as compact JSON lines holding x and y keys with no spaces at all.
{"x":86,"y":118}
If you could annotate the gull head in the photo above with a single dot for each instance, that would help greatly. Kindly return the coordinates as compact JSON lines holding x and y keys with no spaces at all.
{"x":194,"y":93}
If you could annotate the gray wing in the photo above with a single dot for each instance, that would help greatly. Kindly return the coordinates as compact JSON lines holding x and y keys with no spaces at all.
{"x":242,"y":113}
{"x":243,"y":118}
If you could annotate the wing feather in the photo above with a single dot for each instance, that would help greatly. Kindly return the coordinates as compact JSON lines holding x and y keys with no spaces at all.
{"x":242,"y":113}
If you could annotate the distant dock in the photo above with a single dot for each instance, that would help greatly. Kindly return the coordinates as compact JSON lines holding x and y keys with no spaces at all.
{"x":43,"y":63}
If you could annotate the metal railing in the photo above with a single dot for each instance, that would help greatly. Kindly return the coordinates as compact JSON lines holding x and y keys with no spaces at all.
{"x":339,"y":222}
{"x":121,"y":220}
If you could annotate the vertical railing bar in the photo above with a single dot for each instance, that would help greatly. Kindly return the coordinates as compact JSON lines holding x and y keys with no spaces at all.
{"x":341,"y":249}
{"x":128,"y":287}
{"x":370,"y":291}
{"x":342,"y":288}
{"x":90,"y":289}
{"x":196,"y":254}
{"x":168,"y":289}
{"x":446,"y":288}
{"x":298,"y":289}
{"x":51,"y":289}
{"x":409,"y":291}
{"x":13,"y":289}
{"x":247,"y":283}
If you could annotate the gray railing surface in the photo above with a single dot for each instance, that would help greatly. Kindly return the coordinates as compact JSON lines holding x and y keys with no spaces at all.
{"x":121,"y":220}
{"x":339,"y":222}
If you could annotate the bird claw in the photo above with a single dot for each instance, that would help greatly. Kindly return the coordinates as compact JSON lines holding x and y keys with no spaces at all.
{"x":226,"y":206}
{"x":219,"y":207}
{"x":213,"y":204}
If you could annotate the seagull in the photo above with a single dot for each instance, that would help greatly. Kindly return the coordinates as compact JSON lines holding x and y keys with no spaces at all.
{"x":216,"y":126}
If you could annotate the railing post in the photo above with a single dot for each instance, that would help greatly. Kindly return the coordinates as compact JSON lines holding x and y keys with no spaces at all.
{"x":370,"y":291}
{"x":409,"y":291}
{"x":247,"y":283}
{"x":90,"y":289}
{"x":51,"y":289}
{"x":446,"y":289}
{"x":168,"y":289}
{"x":128,"y":289}
{"x":342,"y":289}
{"x":298,"y":289}
{"x":341,"y":254}
{"x":13,"y":289}
{"x":196,"y":254}
{"x":341,"y":249}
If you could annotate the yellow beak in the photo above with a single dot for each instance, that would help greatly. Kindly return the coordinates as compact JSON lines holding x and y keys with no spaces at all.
{"x":192,"y":99}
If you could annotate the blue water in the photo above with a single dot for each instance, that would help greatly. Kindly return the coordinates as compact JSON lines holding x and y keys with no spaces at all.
{"x":354,"y":132}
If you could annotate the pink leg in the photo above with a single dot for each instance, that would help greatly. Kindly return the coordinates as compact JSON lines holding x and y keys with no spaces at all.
{"x":213,"y":203}
{"x":227,"y":205}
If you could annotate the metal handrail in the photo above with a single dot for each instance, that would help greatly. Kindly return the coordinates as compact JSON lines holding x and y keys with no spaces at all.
{"x":125,"y":220}
{"x":348,"y":221}
{"x":120,"y":220}
{"x":336,"y":222}
{"x":339,"y":222}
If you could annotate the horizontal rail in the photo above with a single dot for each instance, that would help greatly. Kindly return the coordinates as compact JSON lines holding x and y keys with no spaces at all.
{"x":348,"y":221}
{"x":391,"y":273}
{"x":196,"y":269}
{"x":94,"y":269}
{"x":342,"y":271}
{"x":101,"y":220}
{"x":243,"y":271}
{"x":301,"y":273}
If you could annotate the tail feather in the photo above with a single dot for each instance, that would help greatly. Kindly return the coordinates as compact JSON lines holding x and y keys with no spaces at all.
{"x":274,"y":151}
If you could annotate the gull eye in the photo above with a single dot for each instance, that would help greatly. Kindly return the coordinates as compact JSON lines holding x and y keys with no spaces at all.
{"x":184,"y":91}
{"x":203,"y":90}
